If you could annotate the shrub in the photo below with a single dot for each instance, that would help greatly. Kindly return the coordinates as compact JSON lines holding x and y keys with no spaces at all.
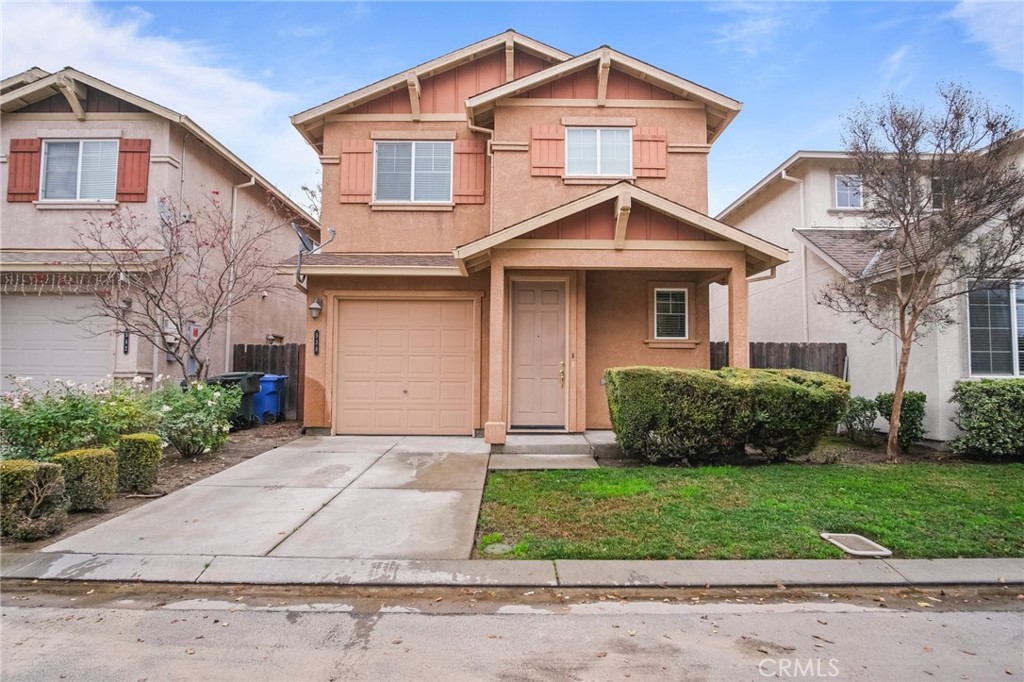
{"x":793,"y":409}
{"x":196,"y":420}
{"x":911,"y":416}
{"x":91,"y":476}
{"x":694,"y":416}
{"x":37,"y":424}
{"x":34,"y":505}
{"x":670,"y":415}
{"x":138,"y":461}
{"x":991,"y":415}
{"x":859,"y":420}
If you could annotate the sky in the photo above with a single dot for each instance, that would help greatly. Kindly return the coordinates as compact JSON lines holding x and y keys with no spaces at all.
{"x":240,"y":69}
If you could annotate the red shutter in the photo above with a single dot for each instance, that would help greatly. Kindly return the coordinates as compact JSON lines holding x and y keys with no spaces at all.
{"x":23,"y":170}
{"x":133,"y":170}
{"x":547,"y":150}
{"x":650,"y":153}
{"x":469,"y":175}
{"x":356,"y":171}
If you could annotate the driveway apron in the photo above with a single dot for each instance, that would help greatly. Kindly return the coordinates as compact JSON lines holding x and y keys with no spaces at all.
{"x":338,"y":497}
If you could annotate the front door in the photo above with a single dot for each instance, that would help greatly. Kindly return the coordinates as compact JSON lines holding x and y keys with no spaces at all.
{"x":538,"y":355}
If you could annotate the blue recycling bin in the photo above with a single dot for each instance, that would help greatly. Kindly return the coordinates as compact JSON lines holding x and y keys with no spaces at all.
{"x":267,"y":403}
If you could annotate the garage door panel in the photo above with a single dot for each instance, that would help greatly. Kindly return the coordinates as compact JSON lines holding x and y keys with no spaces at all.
{"x":38,"y":338}
{"x":417,"y":374}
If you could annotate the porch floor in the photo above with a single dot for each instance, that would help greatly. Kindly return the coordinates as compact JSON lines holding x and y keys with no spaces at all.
{"x":555,"y":450}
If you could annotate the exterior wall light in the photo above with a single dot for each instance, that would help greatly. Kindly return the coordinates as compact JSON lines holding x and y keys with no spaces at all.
{"x":315,"y":308}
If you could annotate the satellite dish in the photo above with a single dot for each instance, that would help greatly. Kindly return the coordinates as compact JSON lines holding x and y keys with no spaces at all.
{"x":308,"y":245}
{"x":163,"y":207}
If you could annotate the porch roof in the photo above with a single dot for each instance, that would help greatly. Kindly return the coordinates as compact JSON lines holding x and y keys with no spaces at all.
{"x":760,"y":254}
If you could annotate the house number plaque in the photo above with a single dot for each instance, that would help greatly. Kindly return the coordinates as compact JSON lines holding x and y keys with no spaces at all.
{"x":124,"y":344}
{"x":316,"y":342}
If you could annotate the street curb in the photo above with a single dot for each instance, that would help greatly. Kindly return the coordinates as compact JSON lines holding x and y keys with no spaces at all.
{"x":204,"y":569}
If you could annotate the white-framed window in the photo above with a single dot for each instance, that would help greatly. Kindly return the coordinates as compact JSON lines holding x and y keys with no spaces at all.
{"x":599,"y":152}
{"x":996,"y":330}
{"x":671,"y":314}
{"x":848,"y":191}
{"x":79,"y":170}
{"x":417,"y":172}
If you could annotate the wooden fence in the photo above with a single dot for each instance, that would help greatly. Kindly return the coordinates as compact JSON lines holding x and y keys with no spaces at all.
{"x":817,"y":357}
{"x":288,"y":359}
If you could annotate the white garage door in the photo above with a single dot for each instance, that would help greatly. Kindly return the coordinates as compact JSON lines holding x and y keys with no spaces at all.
{"x":35,"y":342}
{"x":405,"y":367}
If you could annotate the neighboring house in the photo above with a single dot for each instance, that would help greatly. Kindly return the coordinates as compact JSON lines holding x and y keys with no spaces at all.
{"x":512,"y":221}
{"x":75,"y":148}
{"x":811,"y":204}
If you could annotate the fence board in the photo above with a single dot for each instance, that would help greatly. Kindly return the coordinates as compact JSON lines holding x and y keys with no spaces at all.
{"x":816,"y":357}
{"x":286,"y":359}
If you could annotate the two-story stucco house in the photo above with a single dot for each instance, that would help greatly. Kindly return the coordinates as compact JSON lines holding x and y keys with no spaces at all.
{"x":513,"y":220}
{"x":811,"y":204}
{"x":76,"y":148}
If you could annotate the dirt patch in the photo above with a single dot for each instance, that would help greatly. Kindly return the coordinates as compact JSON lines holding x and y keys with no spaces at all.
{"x":177,"y":472}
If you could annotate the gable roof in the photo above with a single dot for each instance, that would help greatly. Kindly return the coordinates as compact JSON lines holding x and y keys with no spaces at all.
{"x":850,"y":251}
{"x":721,"y":109}
{"x":23,"y":78}
{"x":760,"y":249}
{"x":310,"y":121}
{"x":66,"y":81}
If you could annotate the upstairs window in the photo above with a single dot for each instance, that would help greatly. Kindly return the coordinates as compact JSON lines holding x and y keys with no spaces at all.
{"x":996,"y":320}
{"x":599,"y":152}
{"x":848,"y":191}
{"x":418,"y":172}
{"x":79,"y":170}
{"x":670,"y":314}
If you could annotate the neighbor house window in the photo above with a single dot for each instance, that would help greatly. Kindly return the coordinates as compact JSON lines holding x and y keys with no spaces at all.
{"x":599,"y":151}
{"x":848,"y":191}
{"x":79,"y":170}
{"x":670,"y":314}
{"x":413,"y":172}
{"x":996,"y":320}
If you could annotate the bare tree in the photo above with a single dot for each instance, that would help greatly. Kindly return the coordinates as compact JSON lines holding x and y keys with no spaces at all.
{"x":944,"y":203}
{"x":179,"y":273}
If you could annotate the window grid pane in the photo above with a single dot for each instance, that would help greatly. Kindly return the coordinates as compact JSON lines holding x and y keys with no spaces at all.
{"x":394,"y":171}
{"x":60,"y":177}
{"x":581,"y":151}
{"x":848,"y":191}
{"x":433,"y":180}
{"x":670,"y":314}
{"x":99,"y":169}
{"x":991,"y":338}
{"x":598,"y":151}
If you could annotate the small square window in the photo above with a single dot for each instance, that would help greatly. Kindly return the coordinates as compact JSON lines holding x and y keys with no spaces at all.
{"x":670,"y":314}
{"x":599,"y":152}
{"x":79,"y":170}
{"x":848,"y":191}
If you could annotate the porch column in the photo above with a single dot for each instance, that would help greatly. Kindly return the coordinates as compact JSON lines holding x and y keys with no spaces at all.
{"x":495,"y":427}
{"x":739,"y":334}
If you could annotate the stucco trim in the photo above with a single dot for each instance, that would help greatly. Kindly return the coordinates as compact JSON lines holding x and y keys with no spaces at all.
{"x":601,"y":121}
{"x":413,"y":134}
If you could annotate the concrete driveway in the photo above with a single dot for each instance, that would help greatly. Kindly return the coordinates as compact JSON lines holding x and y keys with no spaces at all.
{"x":340,"y":497}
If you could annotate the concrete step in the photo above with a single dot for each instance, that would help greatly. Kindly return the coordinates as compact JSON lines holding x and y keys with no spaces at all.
{"x":541,"y":461}
{"x":543,"y":444}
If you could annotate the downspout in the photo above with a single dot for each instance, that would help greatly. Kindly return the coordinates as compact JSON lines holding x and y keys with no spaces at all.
{"x":231,"y":268}
{"x":490,"y":155}
{"x":803,"y":255}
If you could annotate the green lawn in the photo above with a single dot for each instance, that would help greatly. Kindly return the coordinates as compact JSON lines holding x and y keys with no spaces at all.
{"x":916,"y":510}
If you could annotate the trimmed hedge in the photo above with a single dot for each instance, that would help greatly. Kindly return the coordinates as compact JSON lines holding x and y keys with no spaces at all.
{"x":138,"y":461}
{"x":34,"y":505}
{"x":698,"y":416}
{"x":911,"y":416}
{"x":91,"y":476}
{"x":990,"y":413}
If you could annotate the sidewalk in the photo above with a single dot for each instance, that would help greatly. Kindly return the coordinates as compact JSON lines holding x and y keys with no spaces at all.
{"x":169,"y":568}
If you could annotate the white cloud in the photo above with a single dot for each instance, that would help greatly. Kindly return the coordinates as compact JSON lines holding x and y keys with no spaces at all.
{"x":249,"y":117}
{"x":897,"y":71}
{"x":997,"y":25}
{"x":755,"y":27}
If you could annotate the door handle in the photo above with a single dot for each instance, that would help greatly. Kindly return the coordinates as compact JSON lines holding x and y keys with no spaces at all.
{"x":561,"y":374}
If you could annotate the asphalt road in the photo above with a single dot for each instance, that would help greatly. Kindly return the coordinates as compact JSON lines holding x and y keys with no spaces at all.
{"x":131,"y":632}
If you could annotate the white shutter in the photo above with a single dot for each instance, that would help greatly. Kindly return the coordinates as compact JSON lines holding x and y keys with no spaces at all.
{"x":433,"y":180}
{"x":99,"y":169}
{"x":60,"y":170}
{"x":393,"y":181}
